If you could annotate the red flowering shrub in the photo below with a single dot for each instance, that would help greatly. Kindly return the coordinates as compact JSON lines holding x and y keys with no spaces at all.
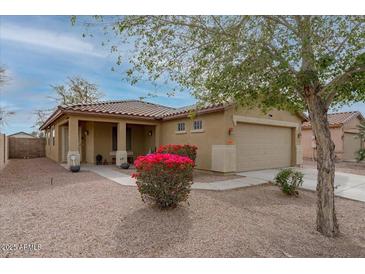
{"x":165,"y":179}
{"x":182,"y":150}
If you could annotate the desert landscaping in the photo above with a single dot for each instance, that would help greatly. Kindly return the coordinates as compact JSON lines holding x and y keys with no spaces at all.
{"x":85,"y":215}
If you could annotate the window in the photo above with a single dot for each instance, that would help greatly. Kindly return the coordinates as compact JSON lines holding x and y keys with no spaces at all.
{"x":47,"y":137}
{"x":198,"y":124}
{"x":114,"y":138}
{"x":53,"y":136}
{"x":181,"y":127}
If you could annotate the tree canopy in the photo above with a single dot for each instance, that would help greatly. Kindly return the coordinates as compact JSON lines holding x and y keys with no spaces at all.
{"x":253,"y":60}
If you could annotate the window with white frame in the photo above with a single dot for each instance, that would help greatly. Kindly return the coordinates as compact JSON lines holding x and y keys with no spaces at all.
{"x":198,"y":124}
{"x":181,"y":126}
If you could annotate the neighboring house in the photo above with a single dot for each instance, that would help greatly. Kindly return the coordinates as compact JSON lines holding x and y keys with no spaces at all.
{"x":343,"y":127}
{"x":21,"y":134}
{"x":228,"y":139}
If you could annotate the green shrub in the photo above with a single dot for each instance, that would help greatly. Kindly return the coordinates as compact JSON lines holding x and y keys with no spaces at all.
{"x":164,"y":179}
{"x":289,"y":180}
{"x":360,"y":155}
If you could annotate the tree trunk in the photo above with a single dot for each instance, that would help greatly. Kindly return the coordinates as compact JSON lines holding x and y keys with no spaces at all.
{"x":326,"y":214}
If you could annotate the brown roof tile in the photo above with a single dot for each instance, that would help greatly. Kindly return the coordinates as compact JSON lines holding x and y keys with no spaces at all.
{"x":125,"y":107}
{"x":337,"y":119}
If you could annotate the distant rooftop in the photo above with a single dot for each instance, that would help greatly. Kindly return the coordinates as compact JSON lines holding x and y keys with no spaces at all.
{"x":338,"y":119}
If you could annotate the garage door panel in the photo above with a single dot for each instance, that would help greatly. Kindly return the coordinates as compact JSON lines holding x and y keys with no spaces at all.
{"x":261,"y":147}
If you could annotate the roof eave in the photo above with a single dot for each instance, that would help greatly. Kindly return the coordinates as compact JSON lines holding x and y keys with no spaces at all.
{"x":108,"y":114}
{"x":56,"y":114}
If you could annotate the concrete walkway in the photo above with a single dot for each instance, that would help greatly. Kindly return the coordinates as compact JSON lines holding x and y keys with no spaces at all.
{"x":111,"y":174}
{"x":125,"y":180}
{"x":346,"y":184}
{"x":229,"y":184}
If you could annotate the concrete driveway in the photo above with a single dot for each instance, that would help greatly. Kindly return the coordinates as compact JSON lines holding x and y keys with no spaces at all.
{"x":346,"y":184}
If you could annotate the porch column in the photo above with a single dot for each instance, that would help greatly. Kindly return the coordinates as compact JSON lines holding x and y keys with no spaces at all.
{"x":73,"y":142}
{"x":121,"y":154}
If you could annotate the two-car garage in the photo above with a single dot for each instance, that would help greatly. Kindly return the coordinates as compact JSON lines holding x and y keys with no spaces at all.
{"x":263,"y":146}
{"x":263,"y":143}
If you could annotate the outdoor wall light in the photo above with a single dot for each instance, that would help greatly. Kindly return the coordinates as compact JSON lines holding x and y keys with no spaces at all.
{"x":86,"y":132}
{"x":230,"y":130}
{"x":149,"y":133}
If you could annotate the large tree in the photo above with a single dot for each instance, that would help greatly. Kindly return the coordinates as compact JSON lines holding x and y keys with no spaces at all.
{"x":296,"y":63}
{"x":76,"y":90}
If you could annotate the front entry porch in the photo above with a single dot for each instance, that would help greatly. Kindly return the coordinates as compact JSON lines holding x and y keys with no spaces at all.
{"x":106,"y":142}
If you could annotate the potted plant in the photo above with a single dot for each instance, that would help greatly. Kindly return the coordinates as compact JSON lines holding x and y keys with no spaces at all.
{"x":74,"y":167}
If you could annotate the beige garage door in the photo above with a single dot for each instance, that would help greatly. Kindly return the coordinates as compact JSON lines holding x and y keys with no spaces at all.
{"x":262,"y":147}
{"x":351,"y":146}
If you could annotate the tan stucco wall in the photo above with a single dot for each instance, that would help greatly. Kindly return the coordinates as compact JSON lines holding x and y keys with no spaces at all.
{"x":214,"y":134}
{"x":103,"y":140}
{"x":336,"y":136}
{"x":307,"y":143}
{"x":352,"y":125}
{"x":54,"y":151}
{"x":89,"y":142}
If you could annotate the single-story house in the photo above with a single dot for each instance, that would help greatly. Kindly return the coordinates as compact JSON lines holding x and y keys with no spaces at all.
{"x":21,"y":134}
{"x":229,"y":139}
{"x":343,"y":127}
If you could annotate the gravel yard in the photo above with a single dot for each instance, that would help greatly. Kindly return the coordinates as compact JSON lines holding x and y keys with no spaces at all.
{"x":85,"y":215}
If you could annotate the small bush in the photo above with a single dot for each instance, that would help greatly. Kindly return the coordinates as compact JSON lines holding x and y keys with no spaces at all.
{"x":182,"y":150}
{"x":360,"y":155}
{"x":289,"y":180}
{"x":165,"y":179}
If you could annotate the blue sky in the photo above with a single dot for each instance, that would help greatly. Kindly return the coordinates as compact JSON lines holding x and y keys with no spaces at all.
{"x":39,"y":51}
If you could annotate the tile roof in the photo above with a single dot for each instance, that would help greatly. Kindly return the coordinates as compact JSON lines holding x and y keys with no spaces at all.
{"x":124,"y":107}
{"x":134,"y":108}
{"x":337,"y":119}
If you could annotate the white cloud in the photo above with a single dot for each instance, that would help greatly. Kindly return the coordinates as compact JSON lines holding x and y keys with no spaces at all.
{"x":45,"y":38}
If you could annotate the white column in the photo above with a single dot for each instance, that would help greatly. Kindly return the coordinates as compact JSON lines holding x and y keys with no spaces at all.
{"x":121,"y":153}
{"x":73,"y":155}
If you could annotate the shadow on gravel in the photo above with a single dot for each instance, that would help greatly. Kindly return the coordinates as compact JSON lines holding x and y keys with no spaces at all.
{"x":148,"y":232}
